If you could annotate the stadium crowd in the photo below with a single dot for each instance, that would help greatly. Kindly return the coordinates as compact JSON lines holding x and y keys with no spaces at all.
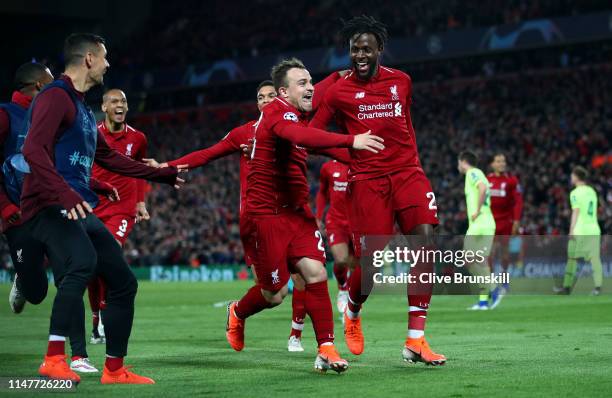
{"x":200,"y":223}
{"x":216,"y":31}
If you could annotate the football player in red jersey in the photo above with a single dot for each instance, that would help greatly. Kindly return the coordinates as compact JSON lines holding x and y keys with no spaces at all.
{"x":333,"y":180}
{"x":386,"y":187}
{"x":118,"y":216}
{"x":506,"y":205}
{"x":233,"y":142}
{"x":287,"y":238}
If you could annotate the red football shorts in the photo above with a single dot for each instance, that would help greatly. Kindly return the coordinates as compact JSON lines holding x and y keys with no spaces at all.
{"x":280,"y":242}
{"x":247,"y":236}
{"x":120,"y":225}
{"x":376,"y":204}
{"x":503,"y":227}
{"x":337,"y":233}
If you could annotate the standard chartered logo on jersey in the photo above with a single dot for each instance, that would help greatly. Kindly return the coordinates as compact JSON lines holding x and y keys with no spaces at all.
{"x":380,"y":110}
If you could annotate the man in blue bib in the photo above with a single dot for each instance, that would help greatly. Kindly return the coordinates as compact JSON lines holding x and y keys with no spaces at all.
{"x":61,"y":144}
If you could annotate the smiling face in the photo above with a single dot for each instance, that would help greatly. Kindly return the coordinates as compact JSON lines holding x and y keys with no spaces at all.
{"x":299,"y":89}
{"x":115,"y":106}
{"x":265,"y":95}
{"x":365,"y":53}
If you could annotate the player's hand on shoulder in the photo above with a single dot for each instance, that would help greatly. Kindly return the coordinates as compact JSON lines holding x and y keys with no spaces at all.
{"x":369,"y":142}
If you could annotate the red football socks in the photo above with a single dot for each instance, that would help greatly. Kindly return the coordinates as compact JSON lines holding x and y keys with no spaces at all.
{"x":113,"y":363}
{"x":356,"y":296}
{"x":55,"y":348}
{"x":299,"y":312}
{"x":251,"y":303}
{"x":341,"y":272}
{"x":319,"y":308}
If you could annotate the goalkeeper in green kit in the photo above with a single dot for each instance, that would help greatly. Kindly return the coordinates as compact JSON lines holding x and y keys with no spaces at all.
{"x":584,"y":233}
{"x":481,"y":230}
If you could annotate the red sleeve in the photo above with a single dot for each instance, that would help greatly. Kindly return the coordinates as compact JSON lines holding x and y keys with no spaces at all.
{"x":311,"y":137}
{"x":325,"y":112}
{"x":112,"y":160}
{"x":100,"y":187}
{"x":323,"y":194}
{"x":342,"y":155}
{"x":141,"y":184}
{"x":321,"y":88}
{"x":517,"y":210}
{"x":52,"y":107}
{"x":5,"y":130}
{"x":228,"y":145}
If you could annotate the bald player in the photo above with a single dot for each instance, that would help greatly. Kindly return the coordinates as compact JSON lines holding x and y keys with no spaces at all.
{"x":118,"y":216}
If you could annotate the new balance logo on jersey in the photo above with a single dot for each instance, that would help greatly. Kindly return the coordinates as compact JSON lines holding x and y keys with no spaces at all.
{"x":19,"y":257}
{"x":275,"y":278}
{"x":394,"y":96}
{"x":128,"y":150}
{"x":398,"y":109}
{"x":360,"y":95}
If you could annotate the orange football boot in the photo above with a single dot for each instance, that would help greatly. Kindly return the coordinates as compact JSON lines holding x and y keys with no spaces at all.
{"x":56,"y":367}
{"x":417,"y":350}
{"x":123,"y":376}
{"x":353,"y":335}
{"x":234,"y":329}
{"x":328,"y":358}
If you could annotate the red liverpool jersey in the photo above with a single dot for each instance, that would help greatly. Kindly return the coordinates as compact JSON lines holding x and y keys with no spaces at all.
{"x":381,"y":105}
{"x":333,"y":181}
{"x":276,"y":182}
{"x":228,"y":145}
{"x":506,"y":198}
{"x":133,"y":144}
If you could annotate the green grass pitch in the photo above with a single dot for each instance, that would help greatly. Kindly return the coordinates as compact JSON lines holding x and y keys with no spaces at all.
{"x":530,"y":346}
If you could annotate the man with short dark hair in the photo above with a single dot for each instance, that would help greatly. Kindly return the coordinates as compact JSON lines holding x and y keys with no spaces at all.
{"x":56,"y":202}
{"x":584,"y":233}
{"x":506,"y":205}
{"x":30,"y":283}
{"x":385,"y":188}
{"x":481,"y":230}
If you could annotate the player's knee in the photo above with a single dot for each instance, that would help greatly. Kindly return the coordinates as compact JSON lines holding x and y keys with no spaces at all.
{"x":319,"y":276}
{"x":342,"y":262}
{"x":275,"y":297}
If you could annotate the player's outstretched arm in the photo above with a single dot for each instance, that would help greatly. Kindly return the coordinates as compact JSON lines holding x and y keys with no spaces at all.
{"x":114,"y":161}
{"x":315,"y":138}
{"x":204,"y":156}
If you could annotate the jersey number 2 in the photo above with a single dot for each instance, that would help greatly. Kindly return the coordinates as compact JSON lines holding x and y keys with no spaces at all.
{"x":432,"y":201}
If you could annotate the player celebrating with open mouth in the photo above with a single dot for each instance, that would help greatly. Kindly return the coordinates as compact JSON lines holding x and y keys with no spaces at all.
{"x":277,"y":202}
{"x":385,"y":187}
